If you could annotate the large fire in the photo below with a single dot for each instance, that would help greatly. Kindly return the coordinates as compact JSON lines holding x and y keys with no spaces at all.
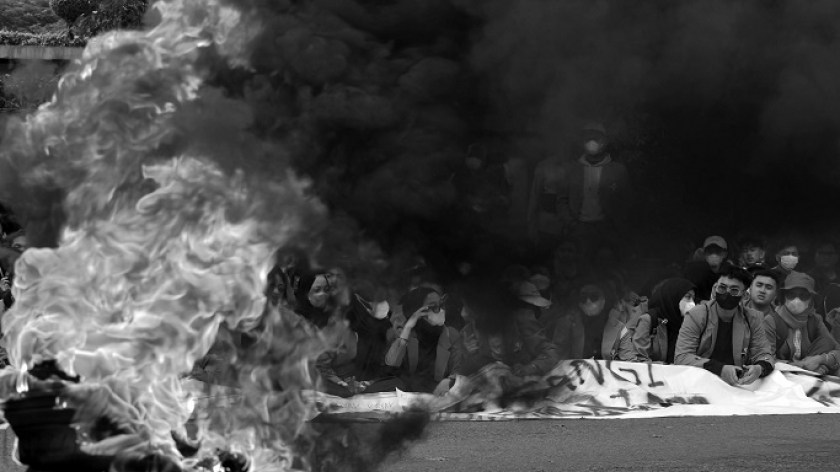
{"x":161,"y":247}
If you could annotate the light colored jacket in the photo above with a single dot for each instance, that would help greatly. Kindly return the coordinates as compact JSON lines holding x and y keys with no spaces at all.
{"x":447,"y":358}
{"x":699,"y":334}
{"x":639,"y":346}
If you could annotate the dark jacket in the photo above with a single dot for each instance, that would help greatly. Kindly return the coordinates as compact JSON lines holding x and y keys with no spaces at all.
{"x":614,"y":192}
{"x":523,"y":342}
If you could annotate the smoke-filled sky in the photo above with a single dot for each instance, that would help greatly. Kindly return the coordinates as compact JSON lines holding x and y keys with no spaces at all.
{"x":725,"y":112}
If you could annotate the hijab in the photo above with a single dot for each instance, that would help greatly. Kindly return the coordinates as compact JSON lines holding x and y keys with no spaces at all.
{"x":665,"y":305}
{"x":317,"y":316}
{"x":372,"y":338}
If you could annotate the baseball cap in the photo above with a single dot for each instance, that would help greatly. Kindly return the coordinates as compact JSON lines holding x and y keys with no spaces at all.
{"x":528,"y":293}
{"x":716,"y":241}
{"x":799,"y":280}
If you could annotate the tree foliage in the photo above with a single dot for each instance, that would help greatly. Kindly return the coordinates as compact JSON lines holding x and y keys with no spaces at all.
{"x":29,"y":16}
{"x":71,"y":10}
{"x":111,"y":15}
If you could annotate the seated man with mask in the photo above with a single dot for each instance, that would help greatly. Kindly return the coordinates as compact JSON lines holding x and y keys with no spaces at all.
{"x":724,"y":337}
{"x":796,"y":333}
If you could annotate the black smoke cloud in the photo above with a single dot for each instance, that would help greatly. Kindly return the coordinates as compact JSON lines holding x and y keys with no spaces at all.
{"x":727,"y":108}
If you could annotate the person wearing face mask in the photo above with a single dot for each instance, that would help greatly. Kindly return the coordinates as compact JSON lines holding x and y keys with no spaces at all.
{"x":426,"y":351}
{"x":503,"y":328}
{"x":724,"y":337}
{"x":825,"y":265}
{"x":599,"y":191}
{"x":797,"y":334}
{"x":357,"y":365}
{"x":763,"y":289}
{"x":312,"y":297}
{"x":703,"y":274}
{"x":601,"y":321}
{"x":653,"y":336}
{"x":787,"y":257}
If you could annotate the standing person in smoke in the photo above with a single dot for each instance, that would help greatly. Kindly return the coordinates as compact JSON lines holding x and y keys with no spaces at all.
{"x":599,"y":194}
{"x":704,"y":274}
{"x":548,"y":211}
{"x":763,"y":290}
{"x":426,"y":351}
{"x":797,"y":335}
{"x":652,"y":336}
{"x":723,"y":337}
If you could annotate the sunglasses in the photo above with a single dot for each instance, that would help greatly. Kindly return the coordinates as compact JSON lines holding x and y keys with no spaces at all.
{"x":436,"y":307}
{"x":803,"y":295}
{"x":637,"y":301}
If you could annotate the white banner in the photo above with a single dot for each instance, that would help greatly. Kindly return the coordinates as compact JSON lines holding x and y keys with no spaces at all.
{"x":604,"y":389}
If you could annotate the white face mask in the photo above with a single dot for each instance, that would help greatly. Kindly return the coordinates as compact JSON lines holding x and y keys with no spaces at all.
{"x":591,"y":308}
{"x":788,"y":262}
{"x":686,"y":305}
{"x":796,"y":306}
{"x":714,"y":260}
{"x":592,"y":146}
{"x":541,"y":282}
{"x":380,"y":310}
{"x":436,"y":319}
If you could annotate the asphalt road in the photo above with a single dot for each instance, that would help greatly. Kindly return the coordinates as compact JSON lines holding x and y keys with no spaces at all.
{"x":764,"y":443}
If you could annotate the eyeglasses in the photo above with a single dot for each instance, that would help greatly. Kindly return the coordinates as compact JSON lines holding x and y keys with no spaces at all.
{"x":436,"y":307}
{"x":803,"y":295}
{"x":723,"y":289}
{"x":637,"y":301}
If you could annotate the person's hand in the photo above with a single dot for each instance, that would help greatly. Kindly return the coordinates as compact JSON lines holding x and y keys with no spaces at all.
{"x":811,"y":363}
{"x":833,"y":317}
{"x":750,"y":375}
{"x":442,"y":388}
{"x":520,"y":370}
{"x":5,"y":284}
{"x":729,"y":374}
{"x":411,"y":322}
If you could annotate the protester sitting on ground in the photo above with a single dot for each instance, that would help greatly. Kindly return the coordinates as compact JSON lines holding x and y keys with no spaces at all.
{"x":703,"y":274}
{"x":312,"y":299}
{"x":723,"y":337}
{"x":503,"y":329}
{"x":602,"y":323}
{"x":787,"y":256}
{"x":358,"y":365}
{"x":653,"y":336}
{"x":796,"y":333}
{"x":763,"y":290}
{"x":751,"y":251}
{"x":426,"y":351}
{"x":824,"y":271}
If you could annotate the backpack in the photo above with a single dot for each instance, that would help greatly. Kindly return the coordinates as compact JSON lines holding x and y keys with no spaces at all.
{"x":782,"y":330}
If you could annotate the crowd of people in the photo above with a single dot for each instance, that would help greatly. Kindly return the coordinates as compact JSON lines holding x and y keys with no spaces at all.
{"x":734,"y":308}
{"x":735,"y":317}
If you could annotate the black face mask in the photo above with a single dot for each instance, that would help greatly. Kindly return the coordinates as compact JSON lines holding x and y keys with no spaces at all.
{"x":727,"y":301}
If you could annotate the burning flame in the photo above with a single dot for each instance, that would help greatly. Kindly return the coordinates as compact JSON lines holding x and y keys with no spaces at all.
{"x":161,"y":245}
